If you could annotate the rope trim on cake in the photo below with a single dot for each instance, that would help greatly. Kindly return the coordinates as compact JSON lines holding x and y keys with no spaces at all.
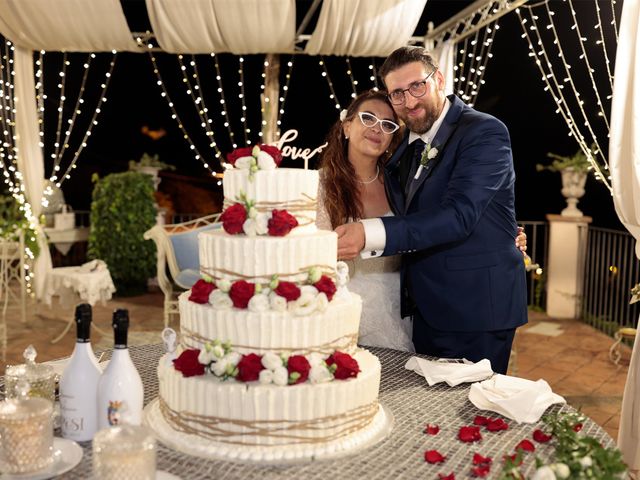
{"x":345,"y":343}
{"x":291,"y":431}
{"x":216,"y":274}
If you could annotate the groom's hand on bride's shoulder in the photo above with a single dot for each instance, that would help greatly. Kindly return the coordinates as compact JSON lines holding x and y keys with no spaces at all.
{"x":350,"y":240}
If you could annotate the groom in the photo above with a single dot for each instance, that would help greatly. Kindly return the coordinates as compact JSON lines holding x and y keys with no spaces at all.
{"x":451,"y":186}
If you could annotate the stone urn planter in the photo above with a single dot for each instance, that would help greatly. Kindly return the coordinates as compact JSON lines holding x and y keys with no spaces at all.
{"x":573,"y":182}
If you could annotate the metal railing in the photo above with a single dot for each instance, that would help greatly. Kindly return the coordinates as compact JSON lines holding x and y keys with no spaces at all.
{"x":537,"y":248}
{"x":611,"y":269}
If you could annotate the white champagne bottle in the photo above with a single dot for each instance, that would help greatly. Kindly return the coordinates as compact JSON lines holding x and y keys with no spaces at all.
{"x":79,"y":383}
{"x":120,"y":393}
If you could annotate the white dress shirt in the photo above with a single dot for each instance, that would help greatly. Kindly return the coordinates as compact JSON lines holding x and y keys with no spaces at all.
{"x":375,"y":236}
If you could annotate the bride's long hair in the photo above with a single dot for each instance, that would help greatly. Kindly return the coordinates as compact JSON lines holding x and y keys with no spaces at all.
{"x":338,"y":177}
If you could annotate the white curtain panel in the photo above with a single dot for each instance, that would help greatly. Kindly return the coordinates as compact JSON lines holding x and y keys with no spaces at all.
{"x":361,"y":28}
{"x":66,"y":25}
{"x":240,"y":27}
{"x":624,"y":160}
{"x":444,"y":55}
{"x":30,"y":160}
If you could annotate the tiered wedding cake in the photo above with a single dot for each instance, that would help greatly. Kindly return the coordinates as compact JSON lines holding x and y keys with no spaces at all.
{"x":268,"y":367}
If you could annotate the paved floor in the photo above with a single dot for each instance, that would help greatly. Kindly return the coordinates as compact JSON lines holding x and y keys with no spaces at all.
{"x":568,"y":354}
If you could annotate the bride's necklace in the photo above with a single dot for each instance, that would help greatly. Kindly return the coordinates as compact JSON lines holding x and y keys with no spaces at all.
{"x":375,"y":177}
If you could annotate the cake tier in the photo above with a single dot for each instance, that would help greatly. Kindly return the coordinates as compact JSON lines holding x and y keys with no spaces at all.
{"x":230,"y":412}
{"x":257,"y":259}
{"x":280,"y":332}
{"x":291,"y":189}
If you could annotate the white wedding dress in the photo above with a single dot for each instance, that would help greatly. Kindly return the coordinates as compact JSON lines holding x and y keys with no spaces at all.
{"x":377,"y":281}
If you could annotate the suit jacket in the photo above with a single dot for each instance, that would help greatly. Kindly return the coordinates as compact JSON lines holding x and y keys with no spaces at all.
{"x":457,"y":225}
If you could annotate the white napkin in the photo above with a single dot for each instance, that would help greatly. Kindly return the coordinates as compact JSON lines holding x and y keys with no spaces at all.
{"x":516,"y":398}
{"x":93,"y":266}
{"x":452,"y":373}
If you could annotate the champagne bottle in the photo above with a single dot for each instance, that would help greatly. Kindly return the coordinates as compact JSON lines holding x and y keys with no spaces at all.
{"x":120,"y":393}
{"x":79,"y":383}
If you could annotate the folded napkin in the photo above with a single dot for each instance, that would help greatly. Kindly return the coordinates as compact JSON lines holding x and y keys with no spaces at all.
{"x":93,"y":266}
{"x":516,"y":398}
{"x":451,"y":373}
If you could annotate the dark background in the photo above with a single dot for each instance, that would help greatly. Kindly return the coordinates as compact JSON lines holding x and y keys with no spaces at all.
{"x":513,"y":92}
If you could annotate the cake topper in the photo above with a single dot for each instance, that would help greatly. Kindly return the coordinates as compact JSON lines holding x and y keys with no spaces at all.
{"x":170,"y":337}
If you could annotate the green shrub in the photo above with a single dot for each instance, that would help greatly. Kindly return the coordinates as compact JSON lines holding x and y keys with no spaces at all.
{"x":12,"y":219}
{"x":122,"y":210}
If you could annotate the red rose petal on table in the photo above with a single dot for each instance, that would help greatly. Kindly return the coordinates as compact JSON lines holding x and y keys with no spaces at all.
{"x":481,"y":470}
{"x":451,"y":476}
{"x":469,"y":434}
{"x":434,"y":456}
{"x":526,"y":445}
{"x":497,"y":425}
{"x":431,"y":429}
{"x":480,"y":460}
{"x":541,"y":437}
{"x":577,"y":427}
{"x":480,"y":420}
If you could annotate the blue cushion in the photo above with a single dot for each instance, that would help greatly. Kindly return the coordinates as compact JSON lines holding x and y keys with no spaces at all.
{"x":188,"y":277}
{"x":185,"y":248}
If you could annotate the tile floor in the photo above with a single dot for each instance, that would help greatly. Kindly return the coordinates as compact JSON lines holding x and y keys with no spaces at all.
{"x":568,"y":354}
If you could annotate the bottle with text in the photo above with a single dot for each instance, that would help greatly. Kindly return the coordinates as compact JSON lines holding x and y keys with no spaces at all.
{"x":120,"y":393}
{"x":79,"y":384}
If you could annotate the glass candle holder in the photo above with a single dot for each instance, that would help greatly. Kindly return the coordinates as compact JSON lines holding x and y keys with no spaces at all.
{"x":26,"y":435}
{"x":41,"y":378}
{"x":124,"y":452}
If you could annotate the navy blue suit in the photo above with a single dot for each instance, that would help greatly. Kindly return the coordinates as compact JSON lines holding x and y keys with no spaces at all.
{"x":456,"y":227}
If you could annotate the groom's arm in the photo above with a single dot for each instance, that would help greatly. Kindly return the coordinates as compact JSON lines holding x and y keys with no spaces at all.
{"x":483,"y":167}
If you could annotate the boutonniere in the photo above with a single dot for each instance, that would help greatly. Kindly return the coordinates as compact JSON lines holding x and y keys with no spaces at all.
{"x":429,"y":153}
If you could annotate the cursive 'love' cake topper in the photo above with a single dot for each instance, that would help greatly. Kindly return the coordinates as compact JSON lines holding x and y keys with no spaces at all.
{"x":296,"y":152}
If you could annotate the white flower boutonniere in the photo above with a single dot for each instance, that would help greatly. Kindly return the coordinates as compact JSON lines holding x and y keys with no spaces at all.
{"x":428,"y":154}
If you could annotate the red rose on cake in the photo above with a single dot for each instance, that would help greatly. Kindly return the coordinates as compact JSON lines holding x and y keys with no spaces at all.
{"x":249,"y":368}
{"x":326,"y":286}
{"x":201,"y":290}
{"x":281,"y":223}
{"x":233,"y":218}
{"x":260,"y":157}
{"x":241,"y":292}
{"x":298,"y":367}
{"x":343,"y":366}
{"x":238,"y":153}
{"x":288,"y":290}
{"x":274,"y":152}
{"x":187,"y":363}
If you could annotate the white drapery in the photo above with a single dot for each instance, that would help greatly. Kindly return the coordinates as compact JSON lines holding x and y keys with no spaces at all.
{"x":30,"y":157}
{"x":66,"y":25}
{"x":361,"y":28}
{"x":203,"y":26}
{"x":624,"y":163}
{"x":444,"y":55}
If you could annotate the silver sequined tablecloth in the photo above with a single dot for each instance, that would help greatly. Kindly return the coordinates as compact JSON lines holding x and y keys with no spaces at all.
{"x":400,"y":456}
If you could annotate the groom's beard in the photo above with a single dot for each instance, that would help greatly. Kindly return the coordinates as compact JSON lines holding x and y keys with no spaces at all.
{"x":422,"y":125}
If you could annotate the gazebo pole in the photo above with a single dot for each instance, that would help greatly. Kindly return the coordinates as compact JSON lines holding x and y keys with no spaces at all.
{"x":270,"y":98}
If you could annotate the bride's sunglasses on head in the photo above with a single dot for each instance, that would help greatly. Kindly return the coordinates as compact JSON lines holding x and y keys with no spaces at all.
{"x":370,"y":120}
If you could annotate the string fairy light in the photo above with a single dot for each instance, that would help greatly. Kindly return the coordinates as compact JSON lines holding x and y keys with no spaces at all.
{"x":549,"y":77}
{"x":374,"y":75}
{"x":175,"y":116}
{"x":223,"y":101}
{"x":265,"y":64}
{"x":354,"y":82}
{"x":285,"y":91}
{"x":199,"y":102}
{"x":245,"y":130}
{"x":325,"y":74}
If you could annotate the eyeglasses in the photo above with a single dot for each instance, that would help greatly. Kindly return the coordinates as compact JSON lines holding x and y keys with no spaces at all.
{"x":370,"y":120}
{"x":416,"y":89}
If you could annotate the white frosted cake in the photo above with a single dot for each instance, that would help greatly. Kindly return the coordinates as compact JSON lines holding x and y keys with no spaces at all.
{"x":268,"y":368}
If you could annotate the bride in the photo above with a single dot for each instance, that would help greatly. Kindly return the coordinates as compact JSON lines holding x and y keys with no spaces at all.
{"x":352,"y":188}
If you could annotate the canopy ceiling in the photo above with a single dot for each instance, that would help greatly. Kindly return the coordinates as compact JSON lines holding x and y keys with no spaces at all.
{"x":353,"y":27}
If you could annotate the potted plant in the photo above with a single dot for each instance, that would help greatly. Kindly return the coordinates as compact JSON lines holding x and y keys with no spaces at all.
{"x":123,"y":209}
{"x":574,"y":170}
{"x":151,"y":165}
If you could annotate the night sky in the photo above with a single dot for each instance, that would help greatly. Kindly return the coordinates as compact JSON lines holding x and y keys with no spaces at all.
{"x":513,"y":92}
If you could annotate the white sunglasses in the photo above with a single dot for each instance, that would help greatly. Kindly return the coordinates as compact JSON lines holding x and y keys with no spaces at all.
{"x":370,"y":120}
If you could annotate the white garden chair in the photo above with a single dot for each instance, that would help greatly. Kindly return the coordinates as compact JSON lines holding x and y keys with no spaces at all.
{"x":178,"y":265}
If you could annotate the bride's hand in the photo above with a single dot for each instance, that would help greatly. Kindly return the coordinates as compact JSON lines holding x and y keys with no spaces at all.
{"x":521,"y":240}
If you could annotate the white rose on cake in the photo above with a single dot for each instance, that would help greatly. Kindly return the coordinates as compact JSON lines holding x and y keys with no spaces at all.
{"x":258,"y":303}
{"x":319,"y":374}
{"x":265,"y":161}
{"x":220,"y":300}
{"x":281,"y":376}
{"x":271,"y":361}
{"x":278,"y":303}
